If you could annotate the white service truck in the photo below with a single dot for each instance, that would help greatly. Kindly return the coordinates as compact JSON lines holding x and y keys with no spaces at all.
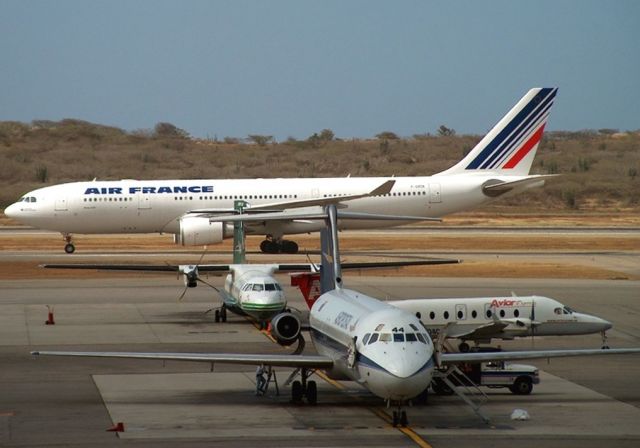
{"x":519,"y":378}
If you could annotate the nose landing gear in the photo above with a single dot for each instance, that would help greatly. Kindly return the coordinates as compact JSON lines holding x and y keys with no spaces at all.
{"x":69,"y":247}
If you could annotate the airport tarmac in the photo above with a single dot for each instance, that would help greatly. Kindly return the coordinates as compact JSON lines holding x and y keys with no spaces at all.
{"x":70,"y":402}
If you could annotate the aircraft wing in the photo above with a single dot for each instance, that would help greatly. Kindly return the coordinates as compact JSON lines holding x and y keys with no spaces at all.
{"x":312,"y":362}
{"x":383,"y":189}
{"x":220,"y":268}
{"x":453,"y":358}
{"x":490,"y":330}
{"x":225,"y":268}
{"x":314,"y":215}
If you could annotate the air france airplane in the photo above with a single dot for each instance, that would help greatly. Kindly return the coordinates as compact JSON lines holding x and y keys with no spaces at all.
{"x":481,"y":319}
{"x":358,"y":338}
{"x":497,"y":165}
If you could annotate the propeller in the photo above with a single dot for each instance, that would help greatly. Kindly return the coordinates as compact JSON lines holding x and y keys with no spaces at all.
{"x":192,"y":276}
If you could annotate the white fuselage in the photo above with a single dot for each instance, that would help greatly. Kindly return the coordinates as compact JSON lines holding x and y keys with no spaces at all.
{"x":131,"y":206}
{"x":524,"y":316}
{"x":398,"y":366}
{"x":251,"y":289}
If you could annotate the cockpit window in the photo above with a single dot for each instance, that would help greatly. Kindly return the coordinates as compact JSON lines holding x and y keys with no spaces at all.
{"x":411,"y":337}
{"x":365,"y":339}
{"x":385,"y":337}
{"x":374,"y":338}
{"x":278,"y":286}
{"x":258,"y":287}
{"x":270,"y":286}
{"x":421,"y":338}
{"x":558,"y":310}
{"x":398,"y":337}
{"x":568,"y":310}
{"x":414,"y":327}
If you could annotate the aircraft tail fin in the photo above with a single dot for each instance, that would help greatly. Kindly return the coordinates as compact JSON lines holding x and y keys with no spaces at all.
{"x":309,"y":284}
{"x":510,"y":146}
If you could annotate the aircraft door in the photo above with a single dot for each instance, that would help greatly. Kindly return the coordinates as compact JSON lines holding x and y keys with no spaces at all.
{"x":461,"y":312}
{"x":61,"y":205}
{"x":435,"y":195}
{"x":144,"y":201}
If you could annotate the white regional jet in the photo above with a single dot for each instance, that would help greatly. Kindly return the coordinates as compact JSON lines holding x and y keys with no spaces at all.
{"x":397,"y":365}
{"x":498,"y":164}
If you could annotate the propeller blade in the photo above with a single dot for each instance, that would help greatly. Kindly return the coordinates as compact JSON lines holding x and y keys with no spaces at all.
{"x":184,"y":291}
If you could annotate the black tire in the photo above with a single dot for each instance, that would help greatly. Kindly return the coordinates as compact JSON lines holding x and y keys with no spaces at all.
{"x":289,"y":247}
{"x":404,"y":422}
{"x":522,"y":386}
{"x":269,"y":247}
{"x":217,"y":315}
{"x":296,"y":392}
{"x":464,"y":347}
{"x":223,"y":314}
{"x":312,"y":393}
{"x":396,"y":420}
{"x":69,"y":248}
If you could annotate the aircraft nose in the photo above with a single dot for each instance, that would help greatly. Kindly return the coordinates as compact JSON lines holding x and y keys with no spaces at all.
{"x":12,"y":211}
{"x":595,"y":323}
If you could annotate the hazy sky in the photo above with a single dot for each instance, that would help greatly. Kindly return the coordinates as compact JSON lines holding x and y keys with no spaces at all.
{"x":291,"y":68}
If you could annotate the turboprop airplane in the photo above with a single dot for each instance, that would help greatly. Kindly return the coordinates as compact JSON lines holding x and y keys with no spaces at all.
{"x":497,"y":165}
{"x":358,"y":338}
{"x":481,"y":319}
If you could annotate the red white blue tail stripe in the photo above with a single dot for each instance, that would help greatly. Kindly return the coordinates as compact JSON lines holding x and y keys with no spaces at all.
{"x":516,"y":134}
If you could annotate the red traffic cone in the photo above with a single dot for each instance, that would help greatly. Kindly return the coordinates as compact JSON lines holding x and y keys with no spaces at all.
{"x":118,"y":427}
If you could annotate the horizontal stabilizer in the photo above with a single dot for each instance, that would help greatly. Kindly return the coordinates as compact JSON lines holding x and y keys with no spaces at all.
{"x":495,"y":187}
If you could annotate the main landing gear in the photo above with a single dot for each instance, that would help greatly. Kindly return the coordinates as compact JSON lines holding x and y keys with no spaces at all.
{"x":278,"y":246}
{"x":303,"y":388}
{"x":220,"y":314}
{"x":605,"y":345}
{"x":69,"y":247}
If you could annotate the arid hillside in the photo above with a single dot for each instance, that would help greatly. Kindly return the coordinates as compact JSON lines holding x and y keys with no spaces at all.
{"x":599,"y":169}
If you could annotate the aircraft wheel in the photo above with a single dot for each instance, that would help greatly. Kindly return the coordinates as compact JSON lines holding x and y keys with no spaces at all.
{"x":403,"y":419}
{"x":464,"y":347}
{"x":217,"y":316}
{"x":296,"y":392}
{"x":269,"y":247}
{"x":522,"y":386}
{"x":312,"y":392}
{"x":396,"y":420}
{"x":289,"y":247}
{"x":223,"y":314}
{"x":69,"y":248}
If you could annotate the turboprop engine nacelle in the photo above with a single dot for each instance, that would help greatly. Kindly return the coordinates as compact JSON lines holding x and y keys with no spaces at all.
{"x":198,"y":231}
{"x":285,"y":327}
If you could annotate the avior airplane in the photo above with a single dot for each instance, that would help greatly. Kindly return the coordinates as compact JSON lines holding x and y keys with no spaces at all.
{"x":358,"y":338}
{"x":497,"y":165}
{"x":481,"y":319}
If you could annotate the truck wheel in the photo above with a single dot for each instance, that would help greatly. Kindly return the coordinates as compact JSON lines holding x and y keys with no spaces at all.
{"x":522,"y":386}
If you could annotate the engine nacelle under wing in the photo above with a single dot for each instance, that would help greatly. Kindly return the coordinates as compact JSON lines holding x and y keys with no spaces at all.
{"x":285,"y":327}
{"x":198,"y":231}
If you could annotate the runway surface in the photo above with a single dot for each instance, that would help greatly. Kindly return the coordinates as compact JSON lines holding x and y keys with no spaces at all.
{"x":70,"y":402}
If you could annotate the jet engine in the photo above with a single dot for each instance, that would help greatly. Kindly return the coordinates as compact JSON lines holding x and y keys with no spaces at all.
{"x":198,"y":231}
{"x":285,"y":327}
